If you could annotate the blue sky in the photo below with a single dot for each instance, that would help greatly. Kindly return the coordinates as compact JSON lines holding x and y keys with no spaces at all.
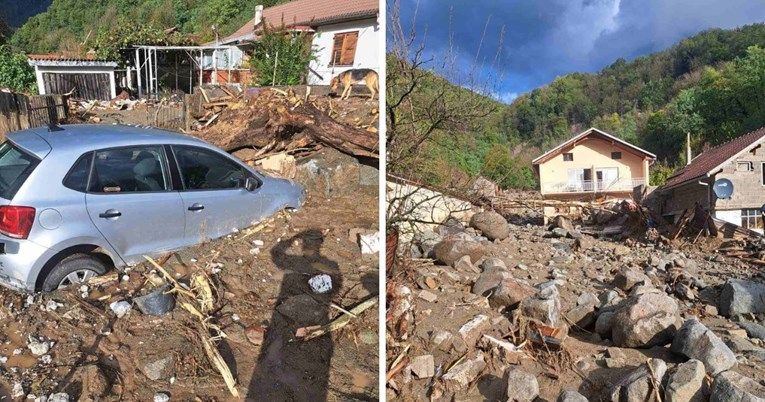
{"x":548,"y":38}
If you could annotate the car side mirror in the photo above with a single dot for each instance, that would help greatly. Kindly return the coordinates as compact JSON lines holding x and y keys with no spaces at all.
{"x":250,"y":184}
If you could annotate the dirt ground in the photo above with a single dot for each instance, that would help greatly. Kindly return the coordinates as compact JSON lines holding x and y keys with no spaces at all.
{"x":580,"y":364}
{"x":263,"y":297}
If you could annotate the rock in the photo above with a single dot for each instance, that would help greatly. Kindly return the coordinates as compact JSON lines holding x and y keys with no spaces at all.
{"x":559,"y":233}
{"x":687,"y":383}
{"x":582,"y":315}
{"x":604,"y":324}
{"x":521,"y":386}
{"x":696,"y":341}
{"x":730,"y":386}
{"x":303,"y":309}
{"x":426,"y":241}
{"x":753,"y":330}
{"x":161,"y":369}
{"x":161,"y":397}
{"x":462,"y":374}
{"x":738,"y":344}
{"x":368,"y":175}
{"x":711,"y":310}
{"x":628,"y":277}
{"x":491,"y":224}
{"x":583,"y":243}
{"x":489,"y":280}
{"x":449,"y":251}
{"x":472,"y":330}
{"x":742,"y":297}
{"x":571,"y":396}
{"x":120,"y":308}
{"x":646,"y":320}
{"x":588,"y":298}
{"x":492,"y":263}
{"x":427,"y":296}
{"x":37,"y":347}
{"x":423,"y":366}
{"x":441,"y":339}
{"x":544,"y":306}
{"x":638,"y":385}
{"x":575,"y":234}
{"x":464,"y":264}
{"x":255,"y":334}
{"x":451,"y":226}
{"x":620,"y":250}
{"x":562,"y":222}
{"x":93,"y":382}
{"x":609,"y":298}
{"x":510,"y":292}
{"x":59,"y":397}
{"x":320,"y":283}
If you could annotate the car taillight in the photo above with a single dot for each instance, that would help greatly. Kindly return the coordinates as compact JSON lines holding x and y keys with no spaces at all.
{"x":16,"y":222}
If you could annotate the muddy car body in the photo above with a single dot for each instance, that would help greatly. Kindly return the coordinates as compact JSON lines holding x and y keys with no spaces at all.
{"x":78,"y":200}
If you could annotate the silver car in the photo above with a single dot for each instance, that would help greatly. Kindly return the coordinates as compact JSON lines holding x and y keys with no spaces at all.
{"x":78,"y":200}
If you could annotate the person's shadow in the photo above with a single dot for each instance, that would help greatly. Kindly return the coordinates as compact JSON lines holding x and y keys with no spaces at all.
{"x":290,"y":369}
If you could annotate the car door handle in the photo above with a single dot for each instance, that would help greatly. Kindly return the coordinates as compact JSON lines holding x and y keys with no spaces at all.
{"x":110,"y":213}
{"x":196,"y":207}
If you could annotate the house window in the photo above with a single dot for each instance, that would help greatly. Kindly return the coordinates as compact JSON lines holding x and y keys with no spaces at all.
{"x":616,"y":155}
{"x":568,"y":157}
{"x":344,"y":49}
{"x":745,"y":167}
{"x":751,"y":219}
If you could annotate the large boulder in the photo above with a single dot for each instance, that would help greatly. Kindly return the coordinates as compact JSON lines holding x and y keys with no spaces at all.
{"x":562,"y":222}
{"x":491,"y":224}
{"x":638,"y":385}
{"x":510,"y":292}
{"x":740,"y":296}
{"x":730,"y":386}
{"x":521,"y":386}
{"x":544,"y":306}
{"x":695,"y":341}
{"x":646,"y":320}
{"x":628,"y":277}
{"x":687,"y":383}
{"x":451,"y":250}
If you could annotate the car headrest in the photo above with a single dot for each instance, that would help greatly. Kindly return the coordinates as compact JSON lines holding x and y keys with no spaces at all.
{"x":146,"y":167}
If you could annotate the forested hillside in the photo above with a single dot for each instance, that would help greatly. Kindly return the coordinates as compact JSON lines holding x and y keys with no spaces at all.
{"x":74,"y":24}
{"x":17,"y":12}
{"x":711,"y":85}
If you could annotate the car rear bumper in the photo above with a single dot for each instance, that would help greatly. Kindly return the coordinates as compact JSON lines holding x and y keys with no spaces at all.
{"x":18,"y":259}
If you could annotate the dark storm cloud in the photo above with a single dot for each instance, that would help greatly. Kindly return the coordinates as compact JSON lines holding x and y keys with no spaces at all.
{"x":546,"y":38}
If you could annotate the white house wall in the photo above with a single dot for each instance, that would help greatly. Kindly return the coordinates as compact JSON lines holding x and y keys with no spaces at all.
{"x":367,"y":46}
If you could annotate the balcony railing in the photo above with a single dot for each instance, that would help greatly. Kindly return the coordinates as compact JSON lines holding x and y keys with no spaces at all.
{"x":590,"y":186}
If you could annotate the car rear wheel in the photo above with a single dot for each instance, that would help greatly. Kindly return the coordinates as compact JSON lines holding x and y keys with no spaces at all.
{"x":74,"y":269}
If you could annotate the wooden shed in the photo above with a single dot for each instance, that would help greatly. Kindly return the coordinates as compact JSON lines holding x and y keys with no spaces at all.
{"x":85,"y":77}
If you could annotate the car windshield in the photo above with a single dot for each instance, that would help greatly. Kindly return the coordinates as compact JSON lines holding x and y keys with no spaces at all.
{"x":15,"y":166}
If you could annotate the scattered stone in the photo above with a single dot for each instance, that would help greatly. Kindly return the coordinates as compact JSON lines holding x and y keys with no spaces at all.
{"x":583,"y":243}
{"x":604,"y":324}
{"x":628,"y":277}
{"x":255,"y":334}
{"x":559,"y":233}
{"x":710,"y":310}
{"x":464,"y":264}
{"x":562,"y":222}
{"x":423,"y":366}
{"x":491,"y":224}
{"x":696,"y":341}
{"x":638,"y":385}
{"x":37,"y":347}
{"x":521,"y":386}
{"x":451,"y":250}
{"x":646,"y":320}
{"x":59,"y":397}
{"x":510,"y":292}
{"x":161,"y":369}
{"x":544,"y":306}
{"x":161,"y":397}
{"x":321,"y":283}
{"x":582,"y":315}
{"x":753,"y":330}
{"x":740,"y":296}
{"x":730,"y":386}
{"x":120,"y":308}
{"x":441,"y":339}
{"x":571,"y":396}
{"x":462,"y":374}
{"x":687,"y":383}
{"x":588,"y":298}
{"x":473,"y":329}
{"x":428,"y":296}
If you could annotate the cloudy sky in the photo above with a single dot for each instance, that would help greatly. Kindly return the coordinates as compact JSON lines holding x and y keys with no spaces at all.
{"x":547,"y":38}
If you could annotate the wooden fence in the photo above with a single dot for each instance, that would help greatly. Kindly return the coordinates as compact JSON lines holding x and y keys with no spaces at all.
{"x":20,"y":112}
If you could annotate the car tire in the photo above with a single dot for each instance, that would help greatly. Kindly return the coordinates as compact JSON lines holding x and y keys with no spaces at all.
{"x":81,"y":265}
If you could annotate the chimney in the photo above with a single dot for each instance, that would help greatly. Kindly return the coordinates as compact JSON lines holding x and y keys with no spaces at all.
{"x":688,"y":148}
{"x":258,"y":14}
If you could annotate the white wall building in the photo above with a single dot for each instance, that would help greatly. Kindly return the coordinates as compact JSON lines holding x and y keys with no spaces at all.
{"x":87,"y":78}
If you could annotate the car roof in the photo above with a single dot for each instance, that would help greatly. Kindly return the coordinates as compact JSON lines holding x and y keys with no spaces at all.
{"x":88,"y":137}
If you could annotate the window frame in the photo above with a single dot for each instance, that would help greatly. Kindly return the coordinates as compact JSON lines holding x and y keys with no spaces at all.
{"x":568,"y":155}
{"x":614,"y":155}
{"x":344,"y":36}
{"x":34,"y":162}
{"x":752,"y":213}
{"x":762,"y":173}
{"x":182,"y":188}
{"x":90,"y":172}
{"x":165,"y":170}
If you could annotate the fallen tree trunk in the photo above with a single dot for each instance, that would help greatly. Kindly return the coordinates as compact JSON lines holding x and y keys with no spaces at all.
{"x":270,"y":120}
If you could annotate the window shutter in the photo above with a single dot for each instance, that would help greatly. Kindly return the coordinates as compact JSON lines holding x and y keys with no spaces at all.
{"x":349,"y":48}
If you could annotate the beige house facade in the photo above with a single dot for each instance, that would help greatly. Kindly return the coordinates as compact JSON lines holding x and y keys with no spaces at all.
{"x":592,"y":164}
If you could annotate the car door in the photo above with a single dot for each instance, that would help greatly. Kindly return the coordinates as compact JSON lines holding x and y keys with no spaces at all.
{"x":131,"y":201}
{"x":215,"y":198}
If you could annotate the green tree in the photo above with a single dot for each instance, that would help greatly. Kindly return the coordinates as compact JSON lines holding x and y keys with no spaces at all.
{"x":281,"y":57}
{"x":15,"y":71}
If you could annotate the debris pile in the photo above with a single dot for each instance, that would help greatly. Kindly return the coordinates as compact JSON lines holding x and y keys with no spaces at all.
{"x":490,"y":310}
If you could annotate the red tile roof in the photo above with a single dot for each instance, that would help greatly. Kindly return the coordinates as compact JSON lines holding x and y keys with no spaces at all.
{"x":715,"y":158}
{"x":64,"y":57}
{"x":311,"y":13}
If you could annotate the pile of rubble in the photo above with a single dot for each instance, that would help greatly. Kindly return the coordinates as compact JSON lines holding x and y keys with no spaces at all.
{"x":521,"y":313}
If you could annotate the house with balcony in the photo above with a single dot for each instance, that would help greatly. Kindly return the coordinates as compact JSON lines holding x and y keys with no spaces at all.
{"x":592,"y":165}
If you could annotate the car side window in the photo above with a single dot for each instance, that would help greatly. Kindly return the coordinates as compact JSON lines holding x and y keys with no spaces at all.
{"x":77,"y":178}
{"x":202,"y":169}
{"x":129,"y":170}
